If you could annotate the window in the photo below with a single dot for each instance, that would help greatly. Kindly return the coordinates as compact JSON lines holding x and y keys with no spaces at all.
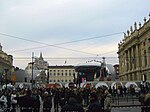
{"x":62,"y":74}
{"x":69,"y":74}
{"x":57,"y":74}
{"x":57,"y":80}
{"x":66,"y":74}
{"x":54,"y":80}
{"x":65,"y":80}
{"x":62,"y":80}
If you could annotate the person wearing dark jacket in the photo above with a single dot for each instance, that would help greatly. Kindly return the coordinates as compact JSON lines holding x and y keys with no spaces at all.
{"x":72,"y":106}
{"x":94,"y":106}
{"x":36,"y":104}
{"x":47,"y":102}
{"x":25,"y":102}
{"x":147,"y":103}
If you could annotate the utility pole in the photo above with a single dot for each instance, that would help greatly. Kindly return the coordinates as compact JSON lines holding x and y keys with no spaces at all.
{"x":47,"y":76}
{"x":32,"y":67}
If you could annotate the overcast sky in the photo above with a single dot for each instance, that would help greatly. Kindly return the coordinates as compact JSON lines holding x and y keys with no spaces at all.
{"x":38,"y":23}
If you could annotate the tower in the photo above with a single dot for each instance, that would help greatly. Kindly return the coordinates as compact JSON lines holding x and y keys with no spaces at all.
{"x":41,"y":57}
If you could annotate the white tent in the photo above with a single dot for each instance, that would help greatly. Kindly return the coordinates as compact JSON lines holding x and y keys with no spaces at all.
{"x":100,"y":84}
{"x":116,"y":84}
{"x":128,"y":84}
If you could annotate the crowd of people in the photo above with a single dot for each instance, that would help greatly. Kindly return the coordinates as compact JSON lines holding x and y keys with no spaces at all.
{"x":64,"y":99}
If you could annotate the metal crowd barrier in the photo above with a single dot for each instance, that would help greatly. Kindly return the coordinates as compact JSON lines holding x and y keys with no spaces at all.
{"x":114,"y":108}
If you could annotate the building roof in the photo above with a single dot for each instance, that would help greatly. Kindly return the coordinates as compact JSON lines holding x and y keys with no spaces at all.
{"x":61,"y":66}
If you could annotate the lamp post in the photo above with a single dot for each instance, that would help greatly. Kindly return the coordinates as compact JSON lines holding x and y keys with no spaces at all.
{"x":32,"y":67}
{"x":47,"y":76}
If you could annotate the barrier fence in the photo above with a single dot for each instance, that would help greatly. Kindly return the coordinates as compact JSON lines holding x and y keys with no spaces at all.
{"x":113,"y":108}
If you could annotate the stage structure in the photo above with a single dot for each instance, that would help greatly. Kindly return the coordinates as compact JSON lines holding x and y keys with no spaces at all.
{"x":91,"y":71}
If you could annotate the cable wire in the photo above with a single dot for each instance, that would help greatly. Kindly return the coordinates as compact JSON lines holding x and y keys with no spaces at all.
{"x":55,"y":45}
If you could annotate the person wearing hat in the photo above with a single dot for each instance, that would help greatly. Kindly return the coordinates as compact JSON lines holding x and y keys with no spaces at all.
{"x":107,"y":101}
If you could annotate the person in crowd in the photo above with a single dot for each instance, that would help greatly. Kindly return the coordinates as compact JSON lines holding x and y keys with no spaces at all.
{"x":25,"y":102}
{"x":36,"y":98}
{"x":124,"y":90}
{"x":56,"y":99}
{"x":79,"y":96}
{"x":121,"y":91}
{"x":110,"y":90}
{"x":62,"y":97}
{"x":147,"y":102}
{"x":107,"y":101}
{"x":47,"y":102}
{"x":95,"y":105}
{"x":72,"y":106}
{"x":13,"y":101}
{"x":3,"y":99}
{"x":7,"y":100}
{"x":114,"y":91}
{"x":141,"y":100}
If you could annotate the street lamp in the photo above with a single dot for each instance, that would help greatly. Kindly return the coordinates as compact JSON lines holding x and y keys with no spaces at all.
{"x":47,"y":76}
{"x":32,"y":67}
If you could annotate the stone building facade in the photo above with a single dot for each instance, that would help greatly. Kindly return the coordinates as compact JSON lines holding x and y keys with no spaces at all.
{"x":62,"y":73}
{"x":6,"y":62}
{"x":134,"y":53}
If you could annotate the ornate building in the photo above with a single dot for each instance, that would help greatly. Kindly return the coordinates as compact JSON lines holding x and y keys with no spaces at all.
{"x":38,"y":65}
{"x":6,"y":63}
{"x":134,"y":53}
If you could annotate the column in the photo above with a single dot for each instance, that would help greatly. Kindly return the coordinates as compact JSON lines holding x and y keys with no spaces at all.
{"x":126,"y":61}
{"x":129,"y":59}
{"x":148,"y":56}
{"x":137,"y":57}
{"x":132,"y":58}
